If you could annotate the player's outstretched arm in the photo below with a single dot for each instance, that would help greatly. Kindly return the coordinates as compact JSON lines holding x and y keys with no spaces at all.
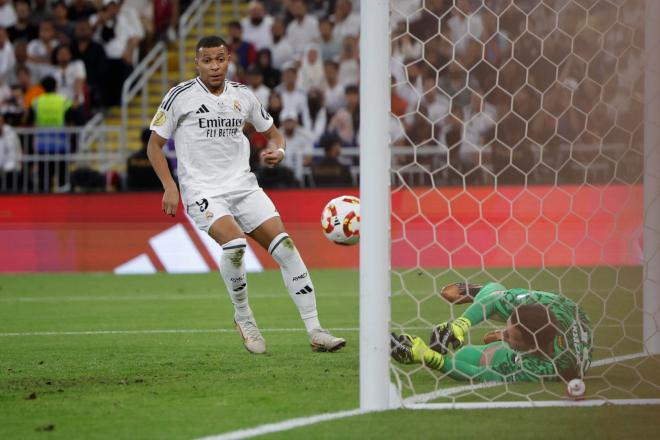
{"x":452,"y":333}
{"x":274,"y":152}
{"x":159,"y":163}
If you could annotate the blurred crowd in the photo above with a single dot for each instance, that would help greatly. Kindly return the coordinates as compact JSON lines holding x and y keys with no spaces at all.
{"x":528,"y":91}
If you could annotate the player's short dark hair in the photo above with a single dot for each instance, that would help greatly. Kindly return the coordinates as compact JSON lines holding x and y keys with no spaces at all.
{"x":537,"y":324}
{"x":235,"y":24}
{"x":210,"y":41}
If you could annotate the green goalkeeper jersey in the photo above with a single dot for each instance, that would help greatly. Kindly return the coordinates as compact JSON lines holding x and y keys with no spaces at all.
{"x":572,"y":346}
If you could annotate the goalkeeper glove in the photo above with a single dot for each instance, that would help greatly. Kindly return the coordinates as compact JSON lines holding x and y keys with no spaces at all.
{"x":452,"y":332}
{"x":408,"y":349}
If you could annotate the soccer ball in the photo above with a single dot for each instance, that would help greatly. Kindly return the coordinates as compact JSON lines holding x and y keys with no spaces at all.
{"x":575,"y":389}
{"x":340,"y":220}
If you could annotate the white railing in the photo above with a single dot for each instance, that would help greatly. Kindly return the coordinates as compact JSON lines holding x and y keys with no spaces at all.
{"x":193,"y":20}
{"x":50,"y":156}
{"x":138,"y":83}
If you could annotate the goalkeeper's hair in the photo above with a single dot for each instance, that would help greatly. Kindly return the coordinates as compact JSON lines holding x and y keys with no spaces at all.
{"x":537,"y":324}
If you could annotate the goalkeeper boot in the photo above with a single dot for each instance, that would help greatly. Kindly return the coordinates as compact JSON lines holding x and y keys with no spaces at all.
{"x":409,"y":349}
{"x":322,"y":340}
{"x":460,"y":293}
{"x":252,"y":339}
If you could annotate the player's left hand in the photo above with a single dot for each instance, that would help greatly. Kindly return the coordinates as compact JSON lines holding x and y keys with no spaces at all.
{"x":271,"y":156}
{"x":449,"y":333}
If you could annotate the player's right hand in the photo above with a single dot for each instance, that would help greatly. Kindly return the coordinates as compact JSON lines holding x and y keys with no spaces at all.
{"x":449,"y":333}
{"x":170,"y":201}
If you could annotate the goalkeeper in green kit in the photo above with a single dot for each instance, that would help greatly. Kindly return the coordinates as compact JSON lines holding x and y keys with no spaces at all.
{"x":547,"y":337}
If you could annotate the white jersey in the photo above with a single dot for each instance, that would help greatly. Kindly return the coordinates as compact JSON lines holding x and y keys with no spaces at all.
{"x":212,"y":152}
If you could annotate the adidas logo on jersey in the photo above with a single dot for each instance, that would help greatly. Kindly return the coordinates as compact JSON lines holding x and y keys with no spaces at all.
{"x":202,"y":109}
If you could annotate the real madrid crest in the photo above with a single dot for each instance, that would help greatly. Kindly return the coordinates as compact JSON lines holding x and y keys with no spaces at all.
{"x":209,"y":215}
{"x":237,"y":105}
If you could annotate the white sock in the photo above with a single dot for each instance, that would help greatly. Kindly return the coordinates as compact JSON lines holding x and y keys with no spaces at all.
{"x":296,"y":278}
{"x":232,"y":269}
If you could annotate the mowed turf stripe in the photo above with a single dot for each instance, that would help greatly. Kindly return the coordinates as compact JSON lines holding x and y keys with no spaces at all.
{"x":148,"y":297}
{"x":210,"y":330}
{"x":161,"y":331}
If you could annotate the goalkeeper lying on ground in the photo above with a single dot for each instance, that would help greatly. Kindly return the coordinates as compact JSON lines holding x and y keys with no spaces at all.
{"x":547,"y":337}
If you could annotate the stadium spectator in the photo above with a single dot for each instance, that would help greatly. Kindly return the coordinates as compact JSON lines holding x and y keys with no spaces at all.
{"x":23,"y":28}
{"x":7,"y":57}
{"x":303,"y":29}
{"x":329,"y":172}
{"x":140,"y":175}
{"x":7,"y":14}
{"x":275,"y":107}
{"x":244,"y":50}
{"x":334,"y":90}
{"x":70,"y":76}
{"x":329,"y":46}
{"x":40,"y":50}
{"x":346,"y":122}
{"x":50,"y":110}
{"x":40,"y":12}
{"x":272,"y":76}
{"x":80,"y":10}
{"x":311,"y":74}
{"x":120,"y":31}
{"x":320,"y":8}
{"x":30,"y":90}
{"x":292,"y":97}
{"x":166,"y":18}
{"x":347,"y":22}
{"x":93,"y":56}
{"x":257,"y":26}
{"x":281,"y":49}
{"x":464,"y":25}
{"x":255,"y":82}
{"x":64,"y":29}
{"x":299,"y":143}
{"x":10,"y":157}
{"x":13,"y":108}
{"x":318,"y":116}
{"x":349,"y":63}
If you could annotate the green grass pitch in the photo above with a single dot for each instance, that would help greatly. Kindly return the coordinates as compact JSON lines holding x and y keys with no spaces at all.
{"x":99,"y":356}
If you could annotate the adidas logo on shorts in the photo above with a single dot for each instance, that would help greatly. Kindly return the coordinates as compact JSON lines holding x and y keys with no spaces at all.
{"x":202,"y":109}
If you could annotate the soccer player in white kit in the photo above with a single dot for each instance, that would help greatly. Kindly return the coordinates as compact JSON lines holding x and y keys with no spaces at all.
{"x":206,"y":116}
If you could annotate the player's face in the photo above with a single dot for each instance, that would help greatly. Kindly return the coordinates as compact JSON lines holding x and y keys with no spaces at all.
{"x":212,"y":64}
{"x":514,"y":338}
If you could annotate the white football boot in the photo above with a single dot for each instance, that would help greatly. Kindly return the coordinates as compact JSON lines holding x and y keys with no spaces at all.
{"x":322,"y":340}
{"x":252,"y":339}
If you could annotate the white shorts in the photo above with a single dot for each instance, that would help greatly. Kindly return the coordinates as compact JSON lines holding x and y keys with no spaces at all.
{"x":250,"y":209}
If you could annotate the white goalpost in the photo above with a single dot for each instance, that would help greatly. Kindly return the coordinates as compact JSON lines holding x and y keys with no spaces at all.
{"x":374,"y":205}
{"x":527,"y":140}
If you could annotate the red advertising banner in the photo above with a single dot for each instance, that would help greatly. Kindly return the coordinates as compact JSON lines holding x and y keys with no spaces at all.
{"x":515,"y":227}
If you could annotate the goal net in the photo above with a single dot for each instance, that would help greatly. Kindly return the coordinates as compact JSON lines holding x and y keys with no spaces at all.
{"x":521,"y":132}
